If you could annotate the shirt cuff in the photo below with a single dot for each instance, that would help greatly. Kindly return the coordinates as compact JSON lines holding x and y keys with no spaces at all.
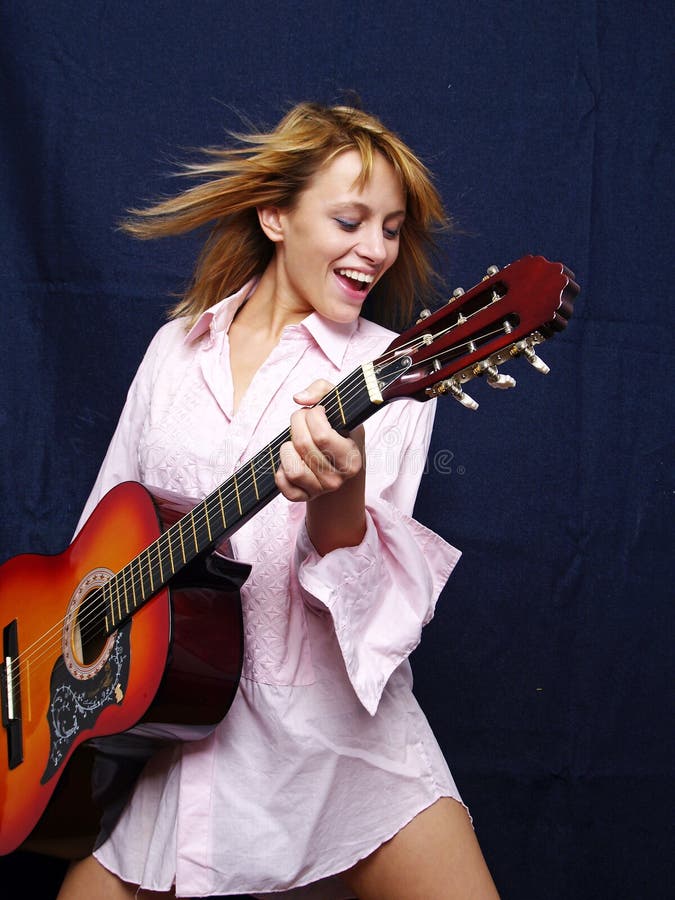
{"x":380,"y":593}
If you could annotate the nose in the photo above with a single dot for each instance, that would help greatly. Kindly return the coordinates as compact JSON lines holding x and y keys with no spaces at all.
{"x":372,"y":246}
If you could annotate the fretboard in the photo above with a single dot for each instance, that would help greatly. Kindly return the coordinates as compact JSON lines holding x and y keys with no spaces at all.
{"x":227,"y":508}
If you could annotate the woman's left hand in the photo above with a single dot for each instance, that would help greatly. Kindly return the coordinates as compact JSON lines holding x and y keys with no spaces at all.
{"x":317,"y":459}
{"x":327,"y":470}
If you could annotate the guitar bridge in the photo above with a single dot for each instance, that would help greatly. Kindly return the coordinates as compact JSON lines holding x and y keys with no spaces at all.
{"x":10,"y":693}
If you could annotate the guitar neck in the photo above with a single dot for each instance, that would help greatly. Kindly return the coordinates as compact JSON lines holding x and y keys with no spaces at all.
{"x":226,"y":509}
{"x":503,"y":317}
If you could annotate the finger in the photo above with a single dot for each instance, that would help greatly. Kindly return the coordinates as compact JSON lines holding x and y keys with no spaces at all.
{"x":290,"y":491}
{"x":342,"y":452}
{"x":294,"y":478}
{"x":324,"y":452}
{"x":315,"y":392}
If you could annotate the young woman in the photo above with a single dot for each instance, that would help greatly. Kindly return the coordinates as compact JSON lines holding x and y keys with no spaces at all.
{"x":324,"y":779}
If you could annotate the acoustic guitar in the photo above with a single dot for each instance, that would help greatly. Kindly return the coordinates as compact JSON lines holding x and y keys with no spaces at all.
{"x":139,"y":620}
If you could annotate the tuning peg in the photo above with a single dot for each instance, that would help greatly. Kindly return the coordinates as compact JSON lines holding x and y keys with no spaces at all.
{"x":460,"y":396}
{"x":524,"y":348}
{"x":424,"y":314}
{"x":491,"y":270}
{"x":495,"y":380}
{"x":536,"y":361}
{"x":456,"y":294}
{"x":452,"y":387}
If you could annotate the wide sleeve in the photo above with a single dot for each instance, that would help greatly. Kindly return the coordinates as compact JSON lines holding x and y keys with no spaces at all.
{"x":121,"y":462}
{"x":381,"y":593}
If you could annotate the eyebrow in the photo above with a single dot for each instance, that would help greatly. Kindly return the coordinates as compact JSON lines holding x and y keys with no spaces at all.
{"x":364,"y":208}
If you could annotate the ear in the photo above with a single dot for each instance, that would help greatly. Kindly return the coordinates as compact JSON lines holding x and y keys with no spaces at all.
{"x":270,"y":222}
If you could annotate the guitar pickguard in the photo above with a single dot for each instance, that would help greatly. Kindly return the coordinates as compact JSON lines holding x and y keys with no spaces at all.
{"x":75,"y":705}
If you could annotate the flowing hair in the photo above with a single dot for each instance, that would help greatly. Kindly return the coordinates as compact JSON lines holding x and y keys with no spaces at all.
{"x":271,"y":169}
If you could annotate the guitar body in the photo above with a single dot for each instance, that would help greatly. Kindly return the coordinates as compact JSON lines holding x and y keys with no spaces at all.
{"x":177,"y":661}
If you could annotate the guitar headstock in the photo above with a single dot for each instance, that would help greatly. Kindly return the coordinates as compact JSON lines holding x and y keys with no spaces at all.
{"x":504,"y":316}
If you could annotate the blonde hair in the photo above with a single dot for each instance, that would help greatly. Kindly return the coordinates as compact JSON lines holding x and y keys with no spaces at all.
{"x":271,"y":169}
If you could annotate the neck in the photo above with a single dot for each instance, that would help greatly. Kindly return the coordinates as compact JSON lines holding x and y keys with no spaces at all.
{"x":269,"y":310}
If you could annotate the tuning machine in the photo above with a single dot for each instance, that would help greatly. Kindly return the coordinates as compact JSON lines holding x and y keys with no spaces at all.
{"x":456,"y":294}
{"x":536,"y":361}
{"x":525,"y":348}
{"x":493,"y":376}
{"x":451,"y":387}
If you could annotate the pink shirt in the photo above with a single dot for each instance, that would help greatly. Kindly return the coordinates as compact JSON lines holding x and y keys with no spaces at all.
{"x":326,"y":678}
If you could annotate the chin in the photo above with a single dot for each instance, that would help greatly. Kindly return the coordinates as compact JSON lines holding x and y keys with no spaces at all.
{"x":346,"y":315}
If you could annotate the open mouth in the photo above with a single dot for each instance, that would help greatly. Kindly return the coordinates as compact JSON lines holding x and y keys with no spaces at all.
{"x":356,"y":281}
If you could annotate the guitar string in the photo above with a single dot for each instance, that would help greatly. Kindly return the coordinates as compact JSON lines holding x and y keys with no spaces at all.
{"x":43,"y":644}
{"x":243,"y":480}
{"x":274,"y":446}
{"x":53,"y":635}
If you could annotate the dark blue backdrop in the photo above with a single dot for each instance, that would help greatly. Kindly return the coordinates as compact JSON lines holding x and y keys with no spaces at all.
{"x":547,"y":670}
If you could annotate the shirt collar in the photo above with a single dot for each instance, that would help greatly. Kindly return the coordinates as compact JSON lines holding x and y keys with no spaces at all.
{"x":219,"y":316}
{"x":331,"y":337}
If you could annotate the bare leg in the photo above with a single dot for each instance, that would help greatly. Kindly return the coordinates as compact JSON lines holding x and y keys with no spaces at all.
{"x":87,"y":879}
{"x":436,"y":856}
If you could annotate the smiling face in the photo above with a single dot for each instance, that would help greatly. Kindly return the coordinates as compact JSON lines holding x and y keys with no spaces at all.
{"x":338,"y":240}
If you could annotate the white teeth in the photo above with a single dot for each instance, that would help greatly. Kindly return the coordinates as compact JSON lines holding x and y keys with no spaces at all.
{"x":357,"y":276}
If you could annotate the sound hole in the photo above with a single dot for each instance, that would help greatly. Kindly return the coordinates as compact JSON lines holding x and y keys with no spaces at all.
{"x":88,"y":636}
{"x":85,"y":640}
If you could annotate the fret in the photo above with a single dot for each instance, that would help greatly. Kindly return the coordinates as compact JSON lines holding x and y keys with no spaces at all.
{"x":117,"y":598}
{"x":107,"y":590}
{"x":167,"y":534}
{"x":359,"y":403}
{"x":156,"y":565}
{"x":152,"y":583}
{"x":342,"y":413}
{"x":247,"y":497}
{"x":229,"y":499}
{"x":120,"y":586}
{"x":236,"y":491}
{"x":208,"y":523}
{"x":119,"y":592}
{"x":133,"y":581}
{"x":141,"y":575}
{"x":141,"y":579}
{"x":124,"y":587}
{"x":117,"y":606}
{"x":194,"y":531}
{"x":201,"y":528}
{"x":114,"y":599}
{"x":222,"y":508}
{"x":159,"y":560}
{"x":263,"y":474}
{"x":179,"y":525}
{"x":108,"y":599}
{"x":255,"y":483}
{"x":213,"y":507}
